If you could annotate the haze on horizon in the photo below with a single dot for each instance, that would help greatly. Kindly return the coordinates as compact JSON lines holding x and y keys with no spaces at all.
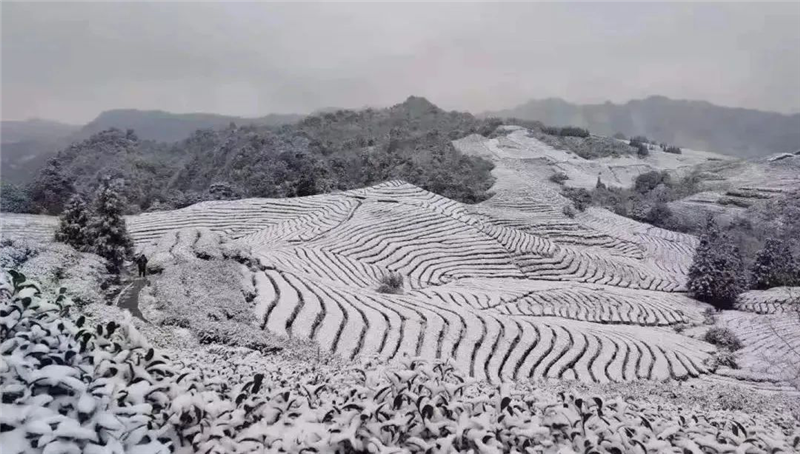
{"x":69,"y":62}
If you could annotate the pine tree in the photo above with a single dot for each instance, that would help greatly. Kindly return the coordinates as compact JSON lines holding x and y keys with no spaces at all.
{"x":716,"y":274}
{"x":110,"y":235}
{"x":74,"y":224}
{"x":774,"y":266}
{"x":51,"y":189}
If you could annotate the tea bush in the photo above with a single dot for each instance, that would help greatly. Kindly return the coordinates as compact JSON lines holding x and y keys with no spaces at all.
{"x":70,"y":386}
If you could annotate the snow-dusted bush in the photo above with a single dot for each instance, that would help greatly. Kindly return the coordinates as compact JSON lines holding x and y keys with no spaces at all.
{"x":723,"y":358}
{"x":391,"y":283}
{"x":723,"y":337}
{"x":57,"y":265}
{"x":559,"y":177}
{"x":72,"y":387}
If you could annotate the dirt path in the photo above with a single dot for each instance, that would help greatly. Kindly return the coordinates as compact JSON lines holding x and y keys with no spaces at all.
{"x":129,"y":299}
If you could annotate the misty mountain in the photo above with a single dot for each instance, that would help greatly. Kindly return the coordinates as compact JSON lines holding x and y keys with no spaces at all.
{"x":694,"y":124}
{"x":35,"y":129}
{"x":19,"y":161}
{"x":28,"y":144}
{"x":171,"y":127}
{"x":321,"y":153}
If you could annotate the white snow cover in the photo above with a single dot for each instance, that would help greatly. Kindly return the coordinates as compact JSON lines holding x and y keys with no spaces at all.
{"x":75,"y":387}
{"x":511,"y":289}
{"x":508,"y":289}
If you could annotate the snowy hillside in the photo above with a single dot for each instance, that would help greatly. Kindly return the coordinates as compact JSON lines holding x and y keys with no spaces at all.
{"x":533,"y":294}
{"x":263,"y":327}
{"x":508,"y":289}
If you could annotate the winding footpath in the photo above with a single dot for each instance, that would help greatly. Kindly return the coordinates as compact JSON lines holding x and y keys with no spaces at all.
{"x":129,"y":298}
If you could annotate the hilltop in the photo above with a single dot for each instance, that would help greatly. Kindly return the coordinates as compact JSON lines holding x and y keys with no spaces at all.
{"x":693,"y":124}
{"x":321,"y":153}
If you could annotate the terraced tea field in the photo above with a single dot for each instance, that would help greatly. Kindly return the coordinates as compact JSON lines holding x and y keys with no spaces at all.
{"x":503,"y":299}
{"x":509,"y":289}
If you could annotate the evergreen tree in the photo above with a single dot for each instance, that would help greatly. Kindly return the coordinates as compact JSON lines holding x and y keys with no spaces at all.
{"x":51,"y":189}
{"x":74,"y":224}
{"x":110,"y":236}
{"x":716,"y":274}
{"x":15,"y":199}
{"x":774,"y":266}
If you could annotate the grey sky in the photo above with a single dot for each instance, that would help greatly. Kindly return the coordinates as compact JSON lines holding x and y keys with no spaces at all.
{"x":69,"y":62}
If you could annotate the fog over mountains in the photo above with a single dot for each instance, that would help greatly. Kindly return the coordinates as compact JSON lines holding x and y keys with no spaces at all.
{"x":28,"y":144}
{"x":698,"y":125}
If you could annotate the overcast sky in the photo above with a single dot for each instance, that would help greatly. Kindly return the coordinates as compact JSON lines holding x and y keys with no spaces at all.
{"x":70,"y":62}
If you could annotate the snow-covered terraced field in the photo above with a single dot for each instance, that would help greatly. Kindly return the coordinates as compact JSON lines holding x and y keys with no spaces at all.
{"x":517,"y":145}
{"x":484,"y":287}
{"x":771,"y":343}
{"x":776,"y":300}
{"x":508,"y":289}
{"x":27,"y":226}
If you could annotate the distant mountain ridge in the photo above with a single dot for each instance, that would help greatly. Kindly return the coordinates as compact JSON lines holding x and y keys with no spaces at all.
{"x":694,"y":124}
{"x":35,"y":129}
{"x":164,"y":126}
{"x":28,"y":144}
{"x":321,"y":153}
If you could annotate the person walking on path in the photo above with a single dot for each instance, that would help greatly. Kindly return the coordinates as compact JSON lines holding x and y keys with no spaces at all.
{"x":141,"y":262}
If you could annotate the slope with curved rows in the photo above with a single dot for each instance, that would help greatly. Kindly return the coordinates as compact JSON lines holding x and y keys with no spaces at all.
{"x":486,"y":286}
{"x":777,"y":300}
{"x":501,"y":303}
{"x":771,"y":343}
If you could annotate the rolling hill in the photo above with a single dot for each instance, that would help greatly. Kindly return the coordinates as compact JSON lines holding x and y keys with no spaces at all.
{"x":694,"y":124}
{"x":508,"y":289}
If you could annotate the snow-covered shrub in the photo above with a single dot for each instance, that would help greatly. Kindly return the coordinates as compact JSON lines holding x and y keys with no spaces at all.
{"x":72,"y":387}
{"x":559,"y":177}
{"x":57,"y":265}
{"x":723,"y":358}
{"x":391,"y":283}
{"x":723,"y":337}
{"x":13,"y":253}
